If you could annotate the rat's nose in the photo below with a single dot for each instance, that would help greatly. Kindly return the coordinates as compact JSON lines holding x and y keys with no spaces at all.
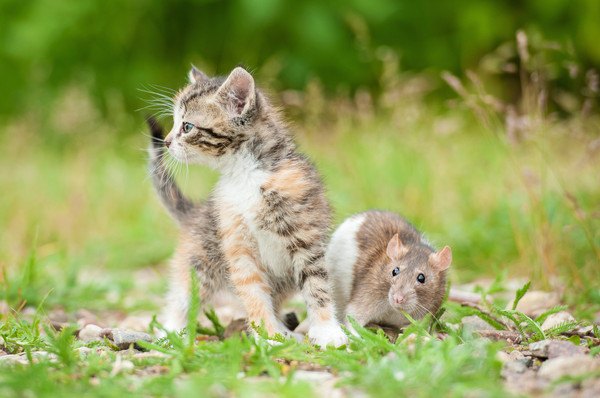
{"x":399,"y":298}
{"x":168,"y":143}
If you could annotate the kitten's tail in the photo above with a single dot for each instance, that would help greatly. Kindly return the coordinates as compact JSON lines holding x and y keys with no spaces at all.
{"x":171,"y":196}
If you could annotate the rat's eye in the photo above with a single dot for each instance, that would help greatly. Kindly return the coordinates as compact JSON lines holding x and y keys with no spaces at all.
{"x":395,"y":271}
{"x":421,"y":278}
{"x":186,"y":127}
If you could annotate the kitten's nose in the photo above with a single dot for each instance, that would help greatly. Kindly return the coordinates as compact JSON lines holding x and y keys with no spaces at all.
{"x":167,"y":143}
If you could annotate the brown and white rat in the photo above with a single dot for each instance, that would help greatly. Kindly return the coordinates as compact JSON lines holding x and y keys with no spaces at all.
{"x":381,"y":265}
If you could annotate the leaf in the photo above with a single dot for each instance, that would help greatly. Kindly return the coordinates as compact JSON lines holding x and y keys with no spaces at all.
{"x":488,"y":318}
{"x":562,"y":328}
{"x":219,"y":329}
{"x":575,"y":339}
{"x":520,"y":293}
{"x":542,"y":317}
{"x":534,"y":326}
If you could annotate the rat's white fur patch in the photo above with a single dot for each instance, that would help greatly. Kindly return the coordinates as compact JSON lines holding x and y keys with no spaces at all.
{"x":341,"y":256}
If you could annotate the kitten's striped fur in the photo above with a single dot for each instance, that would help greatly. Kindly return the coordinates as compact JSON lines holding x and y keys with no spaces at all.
{"x":262,"y":232}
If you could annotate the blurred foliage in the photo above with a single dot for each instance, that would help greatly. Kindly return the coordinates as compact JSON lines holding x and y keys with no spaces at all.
{"x":112,"y":48}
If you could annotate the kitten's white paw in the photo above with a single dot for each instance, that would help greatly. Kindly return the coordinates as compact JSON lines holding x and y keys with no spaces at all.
{"x":293,"y":336}
{"x":327,"y":334}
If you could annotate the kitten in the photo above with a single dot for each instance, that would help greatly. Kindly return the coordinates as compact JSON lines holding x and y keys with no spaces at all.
{"x":262,"y":232}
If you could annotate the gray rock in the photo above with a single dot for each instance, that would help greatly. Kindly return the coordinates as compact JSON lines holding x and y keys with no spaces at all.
{"x":312,"y":376}
{"x":576,"y":365}
{"x":123,"y":339}
{"x":90,"y":333}
{"x":516,"y":355}
{"x":13,"y":359}
{"x":473,"y":323}
{"x":556,"y":348}
{"x":590,"y":388}
{"x":525,"y":382}
{"x":510,"y":367}
{"x":556,"y":319}
{"x":84,"y":351}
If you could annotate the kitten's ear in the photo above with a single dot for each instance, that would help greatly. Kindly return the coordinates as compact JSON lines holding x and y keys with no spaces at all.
{"x":237,"y":94}
{"x":442,"y":259}
{"x":395,"y":248}
{"x":195,"y":75}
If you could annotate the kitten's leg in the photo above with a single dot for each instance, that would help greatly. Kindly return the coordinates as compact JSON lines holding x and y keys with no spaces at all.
{"x":323,"y":329}
{"x":175,"y":314}
{"x":187,"y":259}
{"x":248,"y":277}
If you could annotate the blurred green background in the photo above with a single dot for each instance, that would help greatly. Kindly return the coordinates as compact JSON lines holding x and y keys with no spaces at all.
{"x":112,"y":48}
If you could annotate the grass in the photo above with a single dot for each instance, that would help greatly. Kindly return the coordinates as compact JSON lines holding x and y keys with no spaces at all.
{"x":81,"y":226}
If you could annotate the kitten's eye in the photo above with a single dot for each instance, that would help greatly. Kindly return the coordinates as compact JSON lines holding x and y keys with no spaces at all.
{"x":186,"y":127}
{"x":395,"y":271}
{"x":421,"y":278}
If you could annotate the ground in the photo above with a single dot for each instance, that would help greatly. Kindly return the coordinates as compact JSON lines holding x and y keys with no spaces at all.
{"x":85,"y":242}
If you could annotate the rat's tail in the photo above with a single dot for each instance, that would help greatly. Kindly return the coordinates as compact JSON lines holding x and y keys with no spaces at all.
{"x":171,"y":196}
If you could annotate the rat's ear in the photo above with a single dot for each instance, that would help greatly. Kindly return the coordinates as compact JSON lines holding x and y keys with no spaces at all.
{"x":195,"y":75}
{"x":442,"y":259}
{"x":395,"y":248}
{"x":237,"y":94}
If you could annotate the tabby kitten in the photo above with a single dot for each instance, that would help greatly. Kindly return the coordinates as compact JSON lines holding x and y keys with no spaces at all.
{"x":262,"y":232}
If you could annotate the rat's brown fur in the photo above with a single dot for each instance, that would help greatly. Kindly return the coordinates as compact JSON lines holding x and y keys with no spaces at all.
{"x":373,"y":283}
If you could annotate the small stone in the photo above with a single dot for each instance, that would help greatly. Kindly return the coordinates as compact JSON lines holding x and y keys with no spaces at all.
{"x":516,"y":355}
{"x":312,"y":376}
{"x":513,"y":367}
{"x":121,"y":366}
{"x":584,"y":331}
{"x":123,"y":339}
{"x":2,"y":353}
{"x":539,"y":348}
{"x":590,"y":388}
{"x":473,"y":323}
{"x":525,"y":382}
{"x":555,"y":348}
{"x":89,"y":333}
{"x":556,"y":319}
{"x":84,"y":351}
{"x":14,"y":359}
{"x":85,"y":317}
{"x":535,"y":302}
{"x":576,"y":365}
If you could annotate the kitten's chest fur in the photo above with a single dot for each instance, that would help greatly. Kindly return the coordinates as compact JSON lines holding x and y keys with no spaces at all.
{"x":241,"y":192}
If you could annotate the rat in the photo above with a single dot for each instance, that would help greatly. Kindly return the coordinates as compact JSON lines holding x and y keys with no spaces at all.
{"x":382,"y":266}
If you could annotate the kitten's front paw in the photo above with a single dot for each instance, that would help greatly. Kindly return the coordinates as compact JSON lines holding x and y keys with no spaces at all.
{"x":327,"y":334}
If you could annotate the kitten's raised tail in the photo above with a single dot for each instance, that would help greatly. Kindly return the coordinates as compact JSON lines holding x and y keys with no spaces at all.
{"x":171,"y":196}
